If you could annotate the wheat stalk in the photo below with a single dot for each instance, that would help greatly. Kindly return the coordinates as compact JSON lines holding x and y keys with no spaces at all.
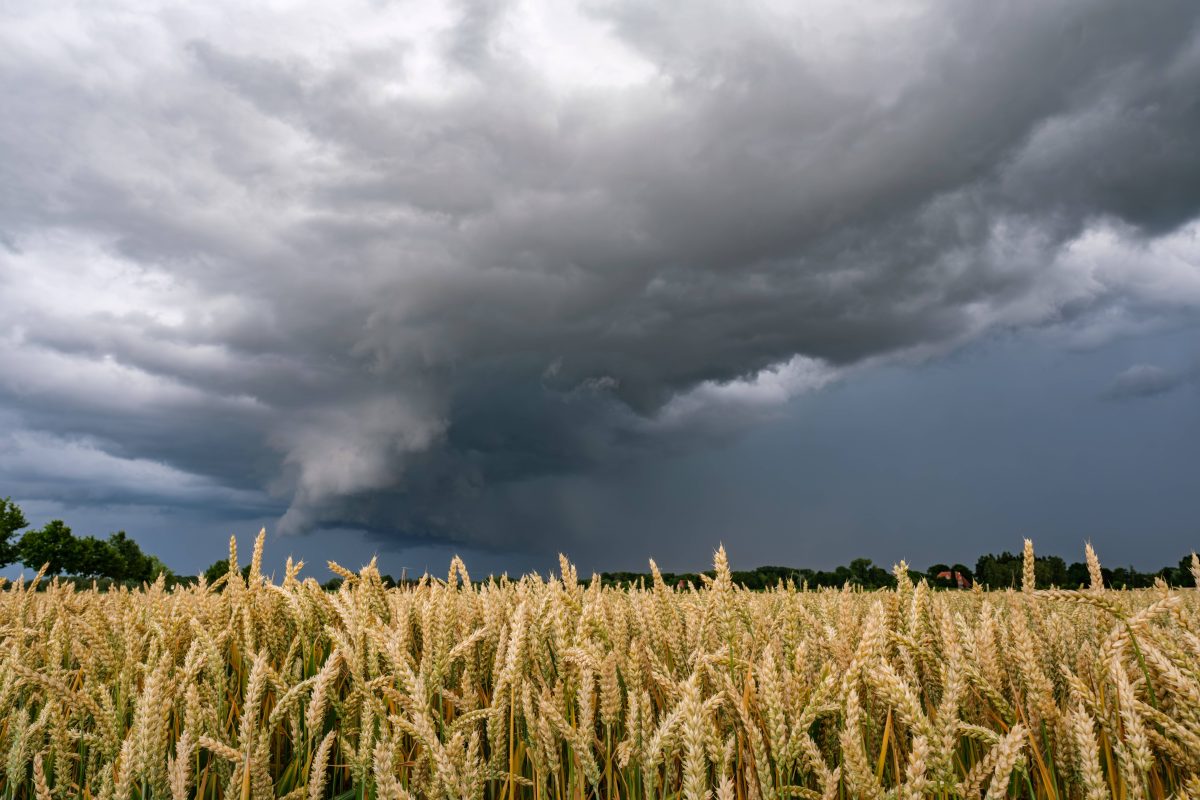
{"x":537,"y":687}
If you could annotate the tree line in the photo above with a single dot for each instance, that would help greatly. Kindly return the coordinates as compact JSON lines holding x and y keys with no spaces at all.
{"x":996,"y":571}
{"x":119,"y":559}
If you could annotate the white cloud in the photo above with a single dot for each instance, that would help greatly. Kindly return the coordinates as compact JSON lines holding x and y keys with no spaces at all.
{"x":77,"y":470}
{"x":764,"y":392}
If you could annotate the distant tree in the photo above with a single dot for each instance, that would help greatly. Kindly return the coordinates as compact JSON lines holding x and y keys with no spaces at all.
{"x":11,"y":520}
{"x":999,"y":571}
{"x":866,"y":574}
{"x":1077,"y":575}
{"x":156,"y":567}
{"x":1051,"y":571}
{"x":51,"y":544}
{"x":1004,"y":570}
{"x":95,"y":558}
{"x":1129,"y":578}
{"x":1183,"y":575}
{"x":128,"y":562}
{"x":216,"y":570}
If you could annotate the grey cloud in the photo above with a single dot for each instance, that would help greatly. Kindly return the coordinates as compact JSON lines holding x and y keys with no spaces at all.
{"x":1144,"y":380}
{"x":354,"y":292}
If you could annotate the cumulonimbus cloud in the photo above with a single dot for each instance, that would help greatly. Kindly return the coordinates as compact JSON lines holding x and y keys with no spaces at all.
{"x":380,"y":262}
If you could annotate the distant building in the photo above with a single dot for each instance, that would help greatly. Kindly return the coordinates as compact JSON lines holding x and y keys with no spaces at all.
{"x":961,"y":580}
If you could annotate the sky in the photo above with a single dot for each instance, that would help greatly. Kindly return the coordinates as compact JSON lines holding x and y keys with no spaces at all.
{"x":620,"y":280}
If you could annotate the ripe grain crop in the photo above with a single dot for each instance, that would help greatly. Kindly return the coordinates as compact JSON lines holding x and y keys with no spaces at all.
{"x":557,"y":688}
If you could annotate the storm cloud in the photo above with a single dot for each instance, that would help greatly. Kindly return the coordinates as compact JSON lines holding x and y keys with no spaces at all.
{"x":388,"y":265}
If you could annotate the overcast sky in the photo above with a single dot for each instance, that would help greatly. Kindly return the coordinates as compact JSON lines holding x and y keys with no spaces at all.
{"x":621,"y":279}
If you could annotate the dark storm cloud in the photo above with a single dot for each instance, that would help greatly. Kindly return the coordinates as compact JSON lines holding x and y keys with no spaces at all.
{"x":390,"y":270}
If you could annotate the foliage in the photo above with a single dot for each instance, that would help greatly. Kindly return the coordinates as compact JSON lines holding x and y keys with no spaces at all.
{"x":52,"y":545}
{"x":117,"y":558}
{"x":995,"y":571}
{"x":12,"y":519}
{"x":1004,"y":570}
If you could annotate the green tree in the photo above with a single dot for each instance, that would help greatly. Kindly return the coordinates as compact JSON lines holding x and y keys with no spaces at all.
{"x":1077,"y":575}
{"x":157,"y":567}
{"x":52,"y":544}
{"x":11,"y":520}
{"x":999,"y":571}
{"x":1183,"y":575}
{"x":216,"y":570}
{"x":129,"y":563}
{"x":1051,"y":571}
{"x":94,"y":558}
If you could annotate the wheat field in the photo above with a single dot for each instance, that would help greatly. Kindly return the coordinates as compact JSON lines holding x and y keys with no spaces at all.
{"x":557,"y":688}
